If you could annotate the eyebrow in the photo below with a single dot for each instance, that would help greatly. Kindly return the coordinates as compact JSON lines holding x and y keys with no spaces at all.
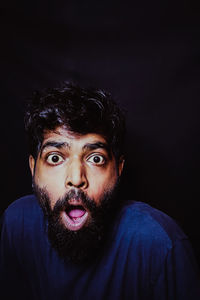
{"x":97,"y":145}
{"x":58,"y":145}
{"x":88,"y":146}
{"x":93,"y":146}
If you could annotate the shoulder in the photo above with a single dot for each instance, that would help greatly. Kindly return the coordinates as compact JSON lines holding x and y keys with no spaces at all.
{"x":148,"y":237}
{"x":149,"y":225}
{"x":28,"y":202}
{"x":24,"y":209}
{"x":23,"y":202}
{"x":23,"y":230}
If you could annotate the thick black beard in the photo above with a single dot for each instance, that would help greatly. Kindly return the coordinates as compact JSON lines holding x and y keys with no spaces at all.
{"x":87,"y":243}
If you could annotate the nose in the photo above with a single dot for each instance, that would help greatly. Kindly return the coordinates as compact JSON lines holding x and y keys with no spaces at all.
{"x":76,"y":175}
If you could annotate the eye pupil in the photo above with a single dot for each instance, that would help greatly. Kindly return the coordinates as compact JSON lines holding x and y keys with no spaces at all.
{"x":97,"y":159}
{"x":55,"y":158}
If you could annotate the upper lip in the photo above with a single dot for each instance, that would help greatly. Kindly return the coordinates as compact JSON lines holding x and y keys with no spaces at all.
{"x":73,"y":203}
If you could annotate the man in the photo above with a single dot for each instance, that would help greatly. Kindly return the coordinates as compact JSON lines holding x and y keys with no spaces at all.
{"x":75,"y":239}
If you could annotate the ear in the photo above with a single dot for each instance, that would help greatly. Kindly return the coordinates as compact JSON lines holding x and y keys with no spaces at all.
{"x":121,"y":165}
{"x":32,"y":164}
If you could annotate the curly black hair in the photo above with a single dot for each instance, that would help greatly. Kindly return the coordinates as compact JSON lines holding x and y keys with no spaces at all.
{"x":79,"y":110}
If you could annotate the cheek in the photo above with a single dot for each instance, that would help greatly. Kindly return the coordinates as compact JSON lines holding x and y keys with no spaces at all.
{"x":100,"y":183}
{"x":52,"y":182}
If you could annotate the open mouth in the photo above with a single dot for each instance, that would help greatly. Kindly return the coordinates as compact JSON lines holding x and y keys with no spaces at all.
{"x":74,"y":217}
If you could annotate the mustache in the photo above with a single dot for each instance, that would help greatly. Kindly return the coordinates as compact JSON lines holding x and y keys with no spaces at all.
{"x":77,"y":196}
{"x":74,"y":197}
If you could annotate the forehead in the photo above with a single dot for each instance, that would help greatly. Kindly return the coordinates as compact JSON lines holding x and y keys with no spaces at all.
{"x":71,"y":139}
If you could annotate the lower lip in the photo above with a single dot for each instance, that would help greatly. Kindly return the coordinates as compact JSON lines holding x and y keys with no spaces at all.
{"x":74,"y":225}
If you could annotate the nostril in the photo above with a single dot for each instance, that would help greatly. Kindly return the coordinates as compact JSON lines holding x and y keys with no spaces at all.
{"x":81,"y":185}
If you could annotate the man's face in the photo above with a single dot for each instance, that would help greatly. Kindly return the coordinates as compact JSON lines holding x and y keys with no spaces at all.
{"x":75,"y":173}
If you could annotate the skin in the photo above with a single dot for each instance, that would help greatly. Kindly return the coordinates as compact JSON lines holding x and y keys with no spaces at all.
{"x":70,"y":161}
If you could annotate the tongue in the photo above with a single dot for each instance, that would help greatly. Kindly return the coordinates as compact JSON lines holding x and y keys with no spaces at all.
{"x":76,"y":213}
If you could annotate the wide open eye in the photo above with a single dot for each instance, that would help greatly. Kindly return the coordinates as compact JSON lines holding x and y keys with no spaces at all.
{"x":96,"y":159}
{"x":54,"y":159}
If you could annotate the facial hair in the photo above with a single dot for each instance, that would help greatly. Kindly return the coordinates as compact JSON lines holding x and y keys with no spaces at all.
{"x":88,"y":242}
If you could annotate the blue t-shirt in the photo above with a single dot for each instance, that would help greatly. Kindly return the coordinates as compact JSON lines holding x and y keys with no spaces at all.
{"x":147,"y":257}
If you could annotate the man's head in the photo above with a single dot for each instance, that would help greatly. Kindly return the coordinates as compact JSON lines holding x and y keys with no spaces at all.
{"x":76,"y":158}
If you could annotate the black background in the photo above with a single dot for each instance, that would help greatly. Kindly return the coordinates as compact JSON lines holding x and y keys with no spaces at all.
{"x":146,"y":53}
